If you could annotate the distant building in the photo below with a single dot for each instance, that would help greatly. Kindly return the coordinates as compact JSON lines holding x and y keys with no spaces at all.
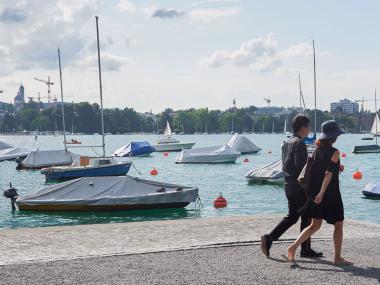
{"x":344,"y":106}
{"x":19,"y":99}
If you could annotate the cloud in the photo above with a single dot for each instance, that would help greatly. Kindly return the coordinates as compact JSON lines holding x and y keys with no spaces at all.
{"x":208,"y":15}
{"x":125,"y":5}
{"x":109,"y":62}
{"x":164,"y":13}
{"x":104,"y":44}
{"x":4,"y":50}
{"x":12,"y":15}
{"x":129,"y":41}
{"x":260,"y":54}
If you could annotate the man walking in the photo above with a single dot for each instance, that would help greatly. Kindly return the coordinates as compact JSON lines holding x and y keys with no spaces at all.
{"x":294,"y":158}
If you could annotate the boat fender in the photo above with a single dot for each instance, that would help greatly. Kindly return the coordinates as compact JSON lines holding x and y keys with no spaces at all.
{"x":11,"y":193}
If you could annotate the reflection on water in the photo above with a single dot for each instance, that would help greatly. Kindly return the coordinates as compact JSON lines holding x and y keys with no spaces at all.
{"x":40,"y":219}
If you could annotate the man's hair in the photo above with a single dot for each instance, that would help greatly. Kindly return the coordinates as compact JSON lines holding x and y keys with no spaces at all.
{"x":300,"y":121}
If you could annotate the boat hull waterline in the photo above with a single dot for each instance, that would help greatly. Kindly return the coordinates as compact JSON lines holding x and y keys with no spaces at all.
{"x":62,"y":174}
{"x":172,"y":146}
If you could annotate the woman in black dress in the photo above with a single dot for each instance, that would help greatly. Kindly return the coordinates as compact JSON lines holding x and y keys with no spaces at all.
{"x":325,"y":194}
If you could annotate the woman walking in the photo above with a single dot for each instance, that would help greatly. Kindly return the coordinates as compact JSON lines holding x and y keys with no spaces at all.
{"x":325,"y":194}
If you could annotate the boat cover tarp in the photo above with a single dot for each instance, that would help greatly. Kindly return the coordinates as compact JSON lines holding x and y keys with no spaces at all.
{"x":120,"y":190}
{"x":208,"y":154}
{"x":11,"y":152}
{"x":269,"y":172}
{"x":242,"y":144}
{"x":310,"y":140}
{"x":373,"y":188}
{"x":135,"y":149}
{"x":44,"y":158}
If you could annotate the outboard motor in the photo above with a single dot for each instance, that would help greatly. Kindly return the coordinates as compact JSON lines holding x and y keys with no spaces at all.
{"x":12,"y":194}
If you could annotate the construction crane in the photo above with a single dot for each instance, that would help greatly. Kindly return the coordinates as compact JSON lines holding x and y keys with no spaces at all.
{"x":48,"y":83}
{"x":267,"y":99}
{"x":362,"y":100}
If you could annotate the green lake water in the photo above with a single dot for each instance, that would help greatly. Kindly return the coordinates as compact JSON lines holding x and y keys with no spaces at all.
{"x":243,"y":199}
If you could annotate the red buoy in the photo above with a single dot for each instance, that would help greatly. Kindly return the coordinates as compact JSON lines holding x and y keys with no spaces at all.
{"x":166,"y":153}
{"x":220,"y":202}
{"x":357,"y":175}
{"x":343,"y":155}
{"x":154,"y":171}
{"x":246,"y":159}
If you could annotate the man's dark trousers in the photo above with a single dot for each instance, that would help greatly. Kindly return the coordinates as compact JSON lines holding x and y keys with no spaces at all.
{"x":296,"y":200}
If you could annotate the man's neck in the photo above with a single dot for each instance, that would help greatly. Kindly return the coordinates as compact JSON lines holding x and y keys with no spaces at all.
{"x":298,"y":135}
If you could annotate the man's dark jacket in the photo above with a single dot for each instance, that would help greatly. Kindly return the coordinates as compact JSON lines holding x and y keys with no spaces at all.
{"x":294,"y":158}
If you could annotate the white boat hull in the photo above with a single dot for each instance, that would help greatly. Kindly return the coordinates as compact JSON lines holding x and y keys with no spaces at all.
{"x":173,"y":146}
{"x":214,"y":159}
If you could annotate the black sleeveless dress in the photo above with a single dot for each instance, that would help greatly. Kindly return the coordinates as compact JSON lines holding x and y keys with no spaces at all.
{"x":331,"y":209}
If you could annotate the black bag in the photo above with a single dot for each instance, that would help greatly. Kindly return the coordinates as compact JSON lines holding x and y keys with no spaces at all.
{"x":304,"y":180}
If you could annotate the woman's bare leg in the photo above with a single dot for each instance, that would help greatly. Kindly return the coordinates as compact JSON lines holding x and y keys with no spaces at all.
{"x":304,"y":235}
{"x":338,"y":240}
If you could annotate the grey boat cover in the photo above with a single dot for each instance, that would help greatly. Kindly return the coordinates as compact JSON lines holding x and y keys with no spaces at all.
{"x":269,"y":172}
{"x":373,"y":188}
{"x":45,"y":158}
{"x":242,"y":144}
{"x":119,"y":190}
{"x":8,"y":152}
{"x":212,"y":154}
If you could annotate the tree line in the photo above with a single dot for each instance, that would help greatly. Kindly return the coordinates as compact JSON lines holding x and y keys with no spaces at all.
{"x":85,"y":118}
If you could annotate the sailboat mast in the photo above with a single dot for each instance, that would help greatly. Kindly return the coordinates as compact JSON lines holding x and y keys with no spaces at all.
{"x":376,"y":116}
{"x":62,"y":104}
{"x":315,"y":92}
{"x":100,"y":85}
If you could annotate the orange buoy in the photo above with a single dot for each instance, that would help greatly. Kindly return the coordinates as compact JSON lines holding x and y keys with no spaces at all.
{"x":357,"y":175}
{"x":166,"y":153}
{"x":246,"y":159}
{"x":220,"y":202}
{"x":343,"y":155}
{"x":154,"y":171}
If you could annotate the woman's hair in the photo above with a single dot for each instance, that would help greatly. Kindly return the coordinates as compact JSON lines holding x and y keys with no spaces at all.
{"x":325,"y":143}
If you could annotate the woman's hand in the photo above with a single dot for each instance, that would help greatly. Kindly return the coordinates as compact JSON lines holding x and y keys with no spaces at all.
{"x":318,"y":199}
{"x":341,"y":168}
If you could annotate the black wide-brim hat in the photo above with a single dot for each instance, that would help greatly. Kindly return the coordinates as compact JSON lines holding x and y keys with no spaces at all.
{"x":330,"y":130}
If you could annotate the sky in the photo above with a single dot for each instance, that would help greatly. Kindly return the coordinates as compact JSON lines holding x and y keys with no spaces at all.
{"x":192,"y":54}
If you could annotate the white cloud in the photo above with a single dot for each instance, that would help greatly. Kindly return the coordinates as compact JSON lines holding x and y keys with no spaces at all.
{"x":130,"y":41}
{"x":208,"y":15}
{"x":109,"y":62}
{"x":125,"y":5}
{"x":164,"y":13}
{"x":4,"y":50}
{"x":260,"y":54}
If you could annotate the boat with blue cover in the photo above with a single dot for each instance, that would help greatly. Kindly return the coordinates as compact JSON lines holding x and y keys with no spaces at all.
{"x":134,"y":149}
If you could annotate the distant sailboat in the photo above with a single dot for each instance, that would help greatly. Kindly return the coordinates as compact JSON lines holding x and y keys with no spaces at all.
{"x":168,"y":142}
{"x":285,"y":132}
{"x":374,"y":148}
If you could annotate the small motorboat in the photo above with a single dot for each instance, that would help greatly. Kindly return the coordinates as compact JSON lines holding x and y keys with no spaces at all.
{"x":8,"y":152}
{"x":134,"y":149}
{"x":213,"y":154}
{"x":39,"y":159}
{"x":87,"y":167}
{"x":270,"y":174}
{"x":372,"y":190}
{"x":243,"y":144}
{"x":105,"y":194}
{"x":168,"y":142}
{"x":73,"y":141}
{"x":370,"y":148}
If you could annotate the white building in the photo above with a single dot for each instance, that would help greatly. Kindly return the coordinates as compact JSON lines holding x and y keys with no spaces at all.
{"x":344,"y":106}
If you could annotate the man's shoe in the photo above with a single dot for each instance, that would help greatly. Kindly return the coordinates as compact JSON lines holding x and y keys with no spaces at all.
{"x":310,"y":253}
{"x":266,"y":243}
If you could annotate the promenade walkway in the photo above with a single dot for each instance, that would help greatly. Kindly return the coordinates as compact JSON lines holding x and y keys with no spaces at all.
{"x":198,"y":251}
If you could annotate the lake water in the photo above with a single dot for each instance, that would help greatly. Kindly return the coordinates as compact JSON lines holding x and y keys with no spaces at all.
{"x":243,"y":199}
